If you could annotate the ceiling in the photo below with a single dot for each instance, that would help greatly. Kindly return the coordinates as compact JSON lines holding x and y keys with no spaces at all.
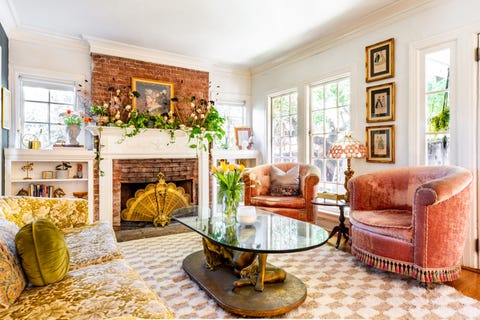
{"x":236,"y":33}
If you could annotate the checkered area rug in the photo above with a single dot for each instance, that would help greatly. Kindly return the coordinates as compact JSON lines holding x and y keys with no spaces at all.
{"x":338,"y":286}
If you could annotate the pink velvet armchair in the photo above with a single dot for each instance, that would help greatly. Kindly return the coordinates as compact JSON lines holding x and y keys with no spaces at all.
{"x":297,"y":207}
{"x":412,"y":220}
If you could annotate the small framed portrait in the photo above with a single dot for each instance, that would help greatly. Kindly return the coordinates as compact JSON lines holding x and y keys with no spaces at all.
{"x":154,"y":96}
{"x":6,"y":108}
{"x":380,"y":60}
{"x":381,"y":144}
{"x":242,"y":134}
{"x":381,"y":102}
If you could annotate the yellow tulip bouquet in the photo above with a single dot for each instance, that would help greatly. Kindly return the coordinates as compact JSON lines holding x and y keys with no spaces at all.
{"x":230,"y":188}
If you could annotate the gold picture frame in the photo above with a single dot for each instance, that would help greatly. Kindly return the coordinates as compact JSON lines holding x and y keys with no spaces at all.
{"x":381,"y":144}
{"x":242,"y":134}
{"x":380,"y":60}
{"x":155,"y":96}
{"x":6,"y":108}
{"x":381,"y":102}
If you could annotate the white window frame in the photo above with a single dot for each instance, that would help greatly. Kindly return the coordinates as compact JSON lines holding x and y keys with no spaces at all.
{"x":341,"y":162}
{"x":16,"y":74}
{"x":417,"y":117}
{"x":270,"y":124}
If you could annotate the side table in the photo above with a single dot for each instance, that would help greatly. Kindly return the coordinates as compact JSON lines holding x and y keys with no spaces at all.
{"x":341,"y":228}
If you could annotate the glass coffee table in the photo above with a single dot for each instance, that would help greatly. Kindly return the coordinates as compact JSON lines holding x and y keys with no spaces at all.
{"x":232,"y":267}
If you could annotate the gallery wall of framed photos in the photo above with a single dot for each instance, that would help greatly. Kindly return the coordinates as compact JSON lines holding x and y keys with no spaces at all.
{"x":380,"y":101}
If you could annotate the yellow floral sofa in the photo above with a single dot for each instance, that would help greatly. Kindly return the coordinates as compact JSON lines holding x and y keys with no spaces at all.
{"x":100,"y":284}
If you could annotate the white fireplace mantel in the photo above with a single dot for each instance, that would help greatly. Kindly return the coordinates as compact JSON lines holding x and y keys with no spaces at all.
{"x":147,"y":144}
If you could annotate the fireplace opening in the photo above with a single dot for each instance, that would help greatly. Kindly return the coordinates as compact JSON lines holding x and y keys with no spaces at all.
{"x":129,"y":191}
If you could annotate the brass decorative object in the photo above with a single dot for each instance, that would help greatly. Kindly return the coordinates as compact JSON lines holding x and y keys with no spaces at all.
{"x":156,"y":202}
{"x":28,"y":167}
{"x":250,"y":267}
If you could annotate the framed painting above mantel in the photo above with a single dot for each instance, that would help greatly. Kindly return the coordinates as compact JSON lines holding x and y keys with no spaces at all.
{"x":154,"y":96}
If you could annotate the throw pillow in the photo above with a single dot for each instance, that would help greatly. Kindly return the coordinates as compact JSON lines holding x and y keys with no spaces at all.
{"x":43,"y":252}
{"x":285,"y":183}
{"x":12,"y":279}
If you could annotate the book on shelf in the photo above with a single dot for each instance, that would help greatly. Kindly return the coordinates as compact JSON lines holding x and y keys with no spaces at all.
{"x":40,"y":190}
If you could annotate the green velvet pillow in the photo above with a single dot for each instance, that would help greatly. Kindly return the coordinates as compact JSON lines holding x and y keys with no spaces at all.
{"x":43,"y":252}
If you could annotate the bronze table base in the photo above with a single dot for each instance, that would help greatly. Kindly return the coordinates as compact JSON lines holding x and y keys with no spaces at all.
{"x":275,"y":299}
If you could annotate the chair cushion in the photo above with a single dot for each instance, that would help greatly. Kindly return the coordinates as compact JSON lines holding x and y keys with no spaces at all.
{"x":284,"y":183}
{"x":393,"y":223}
{"x":43,"y":252}
{"x":279,"y":202}
{"x":12,"y":278}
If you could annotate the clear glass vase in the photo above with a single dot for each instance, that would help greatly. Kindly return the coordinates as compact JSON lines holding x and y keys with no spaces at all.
{"x":230,"y":205}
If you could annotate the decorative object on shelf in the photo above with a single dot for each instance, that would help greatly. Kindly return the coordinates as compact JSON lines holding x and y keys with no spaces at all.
{"x":47,"y":174}
{"x":59,"y":193}
{"x":73,"y":121}
{"x":28,"y":167}
{"x":230,"y":188}
{"x":62,"y":170}
{"x":380,"y":60}
{"x":72,"y":132}
{"x":242,"y":136}
{"x":81,"y":194}
{"x":79,"y":171}
{"x":381,"y":144}
{"x":22,"y":192}
{"x":31,"y":141}
{"x":381,"y":102}
{"x":348,"y":148}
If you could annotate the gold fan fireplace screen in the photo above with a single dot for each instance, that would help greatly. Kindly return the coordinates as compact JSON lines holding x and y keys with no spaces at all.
{"x":156,"y":202}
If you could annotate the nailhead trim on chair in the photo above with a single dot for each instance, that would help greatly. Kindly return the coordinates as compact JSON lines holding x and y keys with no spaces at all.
{"x":405,"y":268}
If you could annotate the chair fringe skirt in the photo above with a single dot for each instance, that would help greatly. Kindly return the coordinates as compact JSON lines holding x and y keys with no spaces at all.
{"x":406,"y":268}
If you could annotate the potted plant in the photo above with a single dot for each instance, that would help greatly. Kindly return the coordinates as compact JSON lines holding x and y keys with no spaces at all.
{"x":62,"y":170}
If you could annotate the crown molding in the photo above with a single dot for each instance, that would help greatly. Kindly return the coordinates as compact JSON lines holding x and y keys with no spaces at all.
{"x":119,"y":49}
{"x":39,"y":37}
{"x":380,"y":18}
{"x":8,"y":17}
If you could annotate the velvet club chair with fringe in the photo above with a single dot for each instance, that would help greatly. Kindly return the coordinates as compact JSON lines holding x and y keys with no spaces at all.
{"x":412,"y":221}
{"x":271,"y":187}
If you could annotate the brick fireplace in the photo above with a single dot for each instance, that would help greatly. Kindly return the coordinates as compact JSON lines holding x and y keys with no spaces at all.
{"x":130,"y":175}
{"x":139,"y":159}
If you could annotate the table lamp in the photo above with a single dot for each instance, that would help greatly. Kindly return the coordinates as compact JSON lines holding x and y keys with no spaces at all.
{"x":348,"y":148}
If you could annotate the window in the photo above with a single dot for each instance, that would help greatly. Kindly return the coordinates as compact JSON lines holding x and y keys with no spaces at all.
{"x":437,"y":107}
{"x":329,"y":121}
{"x":41,"y":104}
{"x":284,"y":129}
{"x":234,"y":114}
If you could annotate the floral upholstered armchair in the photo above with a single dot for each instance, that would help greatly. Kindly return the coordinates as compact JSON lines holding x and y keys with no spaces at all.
{"x":282,"y":194}
{"x":412,"y":220}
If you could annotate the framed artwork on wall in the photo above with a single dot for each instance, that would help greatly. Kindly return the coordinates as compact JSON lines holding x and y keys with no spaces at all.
{"x":154,"y":96}
{"x":6,"y":108}
{"x":380,"y":60}
{"x":242,"y":134}
{"x":381,"y":144}
{"x":381,"y":102}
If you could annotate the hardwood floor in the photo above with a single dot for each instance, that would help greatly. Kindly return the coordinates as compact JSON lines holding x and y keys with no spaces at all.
{"x":468,"y":283}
